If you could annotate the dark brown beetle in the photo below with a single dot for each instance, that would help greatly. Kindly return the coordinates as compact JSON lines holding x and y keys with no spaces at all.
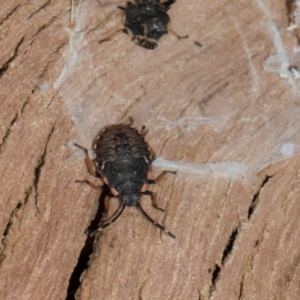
{"x":146,"y":21}
{"x":122,"y":161}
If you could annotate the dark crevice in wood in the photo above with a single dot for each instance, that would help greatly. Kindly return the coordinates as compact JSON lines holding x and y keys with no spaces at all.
{"x":13,"y":121}
{"x":11,"y":220}
{"x":50,"y":61}
{"x":38,"y":168}
{"x":28,"y":192}
{"x":219,"y":90}
{"x":141,"y":290}
{"x":214,"y":279}
{"x":8,"y":130}
{"x":256,"y":196}
{"x":199,"y":295}
{"x":39,"y":9}
{"x":43,"y":27}
{"x":25,"y":103}
{"x":10,"y":14}
{"x":9,"y":223}
{"x":5,"y":66}
{"x":241,"y":287}
{"x":50,"y":103}
{"x":230,"y":244}
{"x":86,"y":251}
{"x":163,"y":145}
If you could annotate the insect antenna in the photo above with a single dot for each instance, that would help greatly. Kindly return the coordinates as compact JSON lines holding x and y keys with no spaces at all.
{"x":139,"y":207}
{"x":93,"y":233}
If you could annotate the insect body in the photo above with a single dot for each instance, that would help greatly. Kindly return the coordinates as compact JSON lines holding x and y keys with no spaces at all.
{"x":122,"y":161}
{"x":146,"y":21}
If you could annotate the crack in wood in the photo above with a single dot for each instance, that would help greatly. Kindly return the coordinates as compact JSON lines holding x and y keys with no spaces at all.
{"x":47,"y":3}
{"x":43,"y":27}
{"x":10,"y":222}
{"x":199,"y":294}
{"x":140,"y":297}
{"x":256,"y":196}
{"x":256,"y":248}
{"x":38,"y":168}
{"x":6,"y":64}
{"x":10,"y":14}
{"x":241,"y":287}
{"x":164,"y":144}
{"x":214,"y":279}
{"x":8,"y":130}
{"x":43,"y":72}
{"x":168,"y":202}
{"x":28,"y":192}
{"x":230,"y":244}
{"x":219,"y":90}
{"x":86,"y":251}
{"x":13,"y":121}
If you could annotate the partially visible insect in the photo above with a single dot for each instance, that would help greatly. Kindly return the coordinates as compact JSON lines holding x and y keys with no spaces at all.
{"x":146,"y":21}
{"x":122,"y":161}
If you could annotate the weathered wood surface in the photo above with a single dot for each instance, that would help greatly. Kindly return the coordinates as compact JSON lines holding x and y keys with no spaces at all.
{"x":216,"y":114}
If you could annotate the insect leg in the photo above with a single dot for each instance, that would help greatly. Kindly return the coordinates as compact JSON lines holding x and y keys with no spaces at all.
{"x":167,"y":5}
{"x":160,"y":177}
{"x":176,"y":34}
{"x":106,"y":209}
{"x":144,"y":42}
{"x":93,"y":233}
{"x":88,"y":161}
{"x":139,"y":207}
{"x":152,"y":152}
{"x":153,"y":200}
{"x":94,"y":186}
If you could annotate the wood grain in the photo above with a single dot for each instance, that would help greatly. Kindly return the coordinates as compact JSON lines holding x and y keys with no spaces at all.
{"x":224,"y":115}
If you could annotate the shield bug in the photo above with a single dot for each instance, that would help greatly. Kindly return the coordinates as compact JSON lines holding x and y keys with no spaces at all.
{"x":146,"y":21}
{"x":122,"y":160}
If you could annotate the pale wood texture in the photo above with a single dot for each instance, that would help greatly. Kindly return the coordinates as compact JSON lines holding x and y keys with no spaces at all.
{"x":220,"y":114}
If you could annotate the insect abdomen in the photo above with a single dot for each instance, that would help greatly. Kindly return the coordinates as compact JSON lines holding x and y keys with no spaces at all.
{"x":120,"y":141}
